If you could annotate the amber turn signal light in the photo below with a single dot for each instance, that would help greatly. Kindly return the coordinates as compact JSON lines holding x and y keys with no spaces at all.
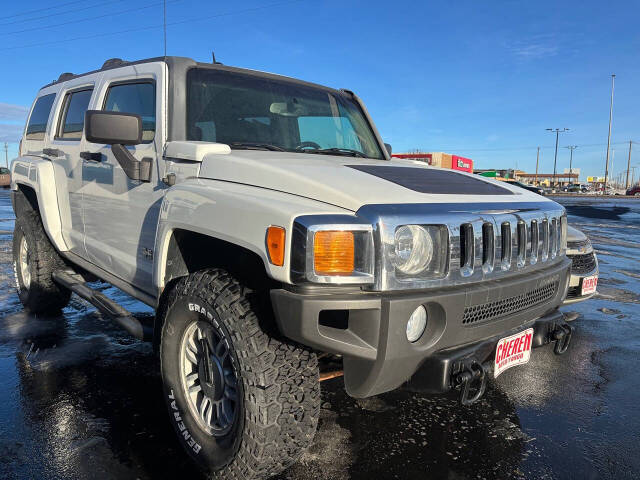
{"x":275,"y":245}
{"x":333,"y":252}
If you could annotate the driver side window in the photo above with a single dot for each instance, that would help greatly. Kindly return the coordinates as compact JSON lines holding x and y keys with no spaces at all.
{"x":138,"y":98}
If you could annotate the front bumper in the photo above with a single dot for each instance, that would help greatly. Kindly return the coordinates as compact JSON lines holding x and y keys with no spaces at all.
{"x":462,"y":320}
{"x":583,"y":266}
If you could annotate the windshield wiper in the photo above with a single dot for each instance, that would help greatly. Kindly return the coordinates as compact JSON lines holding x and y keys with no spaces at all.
{"x":256,"y":146}
{"x":340,"y":151}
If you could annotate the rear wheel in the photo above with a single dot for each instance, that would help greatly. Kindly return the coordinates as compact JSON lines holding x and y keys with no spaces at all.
{"x":244,"y":404}
{"x":34,"y":260}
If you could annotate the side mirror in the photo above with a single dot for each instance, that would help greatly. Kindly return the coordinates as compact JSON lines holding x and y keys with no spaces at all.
{"x":113,"y":127}
{"x":119,"y":130}
{"x":388,"y":147}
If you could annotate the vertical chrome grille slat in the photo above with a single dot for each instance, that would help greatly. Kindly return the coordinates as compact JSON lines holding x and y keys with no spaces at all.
{"x":544,"y":228}
{"x":521,"y":236}
{"x":553,"y":238}
{"x":467,"y":249}
{"x":535,"y":241}
{"x":488,"y":247}
{"x":505,"y":241}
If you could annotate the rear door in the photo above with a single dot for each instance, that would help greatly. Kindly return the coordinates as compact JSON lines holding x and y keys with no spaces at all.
{"x":121,"y":214}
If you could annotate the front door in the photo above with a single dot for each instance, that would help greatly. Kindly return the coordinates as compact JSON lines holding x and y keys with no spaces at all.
{"x":120,"y":214}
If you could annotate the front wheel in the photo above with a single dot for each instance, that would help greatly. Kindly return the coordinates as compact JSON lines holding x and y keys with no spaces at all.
{"x":244,"y":404}
{"x":34,"y":260}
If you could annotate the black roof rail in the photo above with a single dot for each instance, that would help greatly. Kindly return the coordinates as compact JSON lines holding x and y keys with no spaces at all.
{"x":113,"y":62}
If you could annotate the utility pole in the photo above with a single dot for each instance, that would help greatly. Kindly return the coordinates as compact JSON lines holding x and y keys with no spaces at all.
{"x":626,"y":184}
{"x":6,"y":154}
{"x":572,"y":148}
{"x":606,"y":167}
{"x":537,"y":160}
{"x":555,"y":159}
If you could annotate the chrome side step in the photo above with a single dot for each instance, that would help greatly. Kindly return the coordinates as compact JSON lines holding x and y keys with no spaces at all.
{"x":105,"y":305}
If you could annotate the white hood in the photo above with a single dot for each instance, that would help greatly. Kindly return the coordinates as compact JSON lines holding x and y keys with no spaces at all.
{"x":336,"y":180}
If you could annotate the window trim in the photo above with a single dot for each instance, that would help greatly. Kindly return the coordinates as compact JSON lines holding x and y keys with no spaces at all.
{"x":46,"y":128}
{"x":136,"y":81}
{"x":63,"y":112}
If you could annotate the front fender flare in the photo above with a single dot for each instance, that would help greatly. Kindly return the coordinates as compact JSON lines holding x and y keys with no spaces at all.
{"x":38,"y":174}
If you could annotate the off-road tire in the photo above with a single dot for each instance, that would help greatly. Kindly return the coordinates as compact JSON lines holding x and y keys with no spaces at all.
{"x":279,"y":389}
{"x":42,"y":295}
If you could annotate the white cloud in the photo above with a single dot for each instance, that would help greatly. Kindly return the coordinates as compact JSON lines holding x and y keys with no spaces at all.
{"x":538,"y":46}
{"x":10,"y":132}
{"x":11,"y":112}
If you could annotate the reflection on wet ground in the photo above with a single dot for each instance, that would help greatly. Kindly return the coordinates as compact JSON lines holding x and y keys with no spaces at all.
{"x":80,"y":399}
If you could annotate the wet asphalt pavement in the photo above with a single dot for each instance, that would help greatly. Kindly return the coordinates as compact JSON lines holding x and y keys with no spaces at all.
{"x":80,"y":399}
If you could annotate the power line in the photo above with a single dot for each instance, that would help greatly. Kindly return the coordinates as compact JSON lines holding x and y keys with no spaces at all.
{"x":85,"y":19}
{"x":151,"y":27}
{"x":514,"y":148}
{"x":27,"y":12}
{"x":56,"y":14}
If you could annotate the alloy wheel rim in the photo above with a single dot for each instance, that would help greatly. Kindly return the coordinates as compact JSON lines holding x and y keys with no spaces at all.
{"x":25,"y":272}
{"x":209,"y":379}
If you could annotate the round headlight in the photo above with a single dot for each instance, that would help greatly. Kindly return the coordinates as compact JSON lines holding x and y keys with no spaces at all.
{"x":416,"y":324}
{"x":413,"y":249}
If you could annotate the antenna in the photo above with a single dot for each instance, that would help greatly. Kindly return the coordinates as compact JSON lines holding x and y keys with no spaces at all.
{"x":164,"y":25}
{"x":213,"y":58}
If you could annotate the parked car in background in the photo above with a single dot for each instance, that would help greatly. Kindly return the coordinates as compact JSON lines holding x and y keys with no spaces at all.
{"x":634,"y":191}
{"x":531,"y":188}
{"x":574,"y":188}
{"x":5,"y":177}
{"x":584,"y":267}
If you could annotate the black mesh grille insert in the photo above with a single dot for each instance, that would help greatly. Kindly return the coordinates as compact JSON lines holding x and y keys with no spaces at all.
{"x":507,"y":306}
{"x":581,"y":264}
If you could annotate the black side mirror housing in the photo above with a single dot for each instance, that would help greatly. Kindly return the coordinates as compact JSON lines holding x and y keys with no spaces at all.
{"x":388,"y":147}
{"x":113,"y":127}
{"x":119,"y":130}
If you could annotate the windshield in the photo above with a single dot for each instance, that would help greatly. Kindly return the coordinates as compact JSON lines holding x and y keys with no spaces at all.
{"x":250,"y":111}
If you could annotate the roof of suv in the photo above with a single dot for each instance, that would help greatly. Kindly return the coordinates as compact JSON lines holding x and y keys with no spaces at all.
{"x":179,"y":63}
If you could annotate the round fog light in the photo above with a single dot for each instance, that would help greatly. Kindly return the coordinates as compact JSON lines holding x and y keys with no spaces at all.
{"x":416,"y":324}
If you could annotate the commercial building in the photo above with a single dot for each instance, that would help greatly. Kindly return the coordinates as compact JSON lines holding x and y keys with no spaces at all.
{"x":440,"y":159}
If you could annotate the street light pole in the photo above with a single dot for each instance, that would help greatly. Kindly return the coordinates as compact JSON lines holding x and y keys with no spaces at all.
{"x":571,"y":148}
{"x":626,"y":184}
{"x":537,"y":160}
{"x":606,"y":167}
{"x":555,"y":159}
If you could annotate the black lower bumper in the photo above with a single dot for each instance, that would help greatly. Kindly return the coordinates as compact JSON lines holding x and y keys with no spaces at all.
{"x":464,"y":322}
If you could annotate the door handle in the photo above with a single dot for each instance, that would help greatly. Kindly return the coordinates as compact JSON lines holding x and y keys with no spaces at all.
{"x":93,"y":156}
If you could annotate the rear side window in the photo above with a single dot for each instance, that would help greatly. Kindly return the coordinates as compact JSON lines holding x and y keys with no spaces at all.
{"x":4,"y":171}
{"x":75,"y":106}
{"x":138,"y":98}
{"x":39,"y":117}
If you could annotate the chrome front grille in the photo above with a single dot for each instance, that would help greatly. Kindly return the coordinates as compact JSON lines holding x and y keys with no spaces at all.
{"x":527,"y":243}
{"x":486,"y":240}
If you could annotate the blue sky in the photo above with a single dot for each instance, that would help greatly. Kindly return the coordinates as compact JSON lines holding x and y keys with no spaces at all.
{"x":482,"y":80}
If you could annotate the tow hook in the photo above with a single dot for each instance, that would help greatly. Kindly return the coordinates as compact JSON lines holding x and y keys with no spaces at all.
{"x":562,"y":336}
{"x":473,"y":382}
